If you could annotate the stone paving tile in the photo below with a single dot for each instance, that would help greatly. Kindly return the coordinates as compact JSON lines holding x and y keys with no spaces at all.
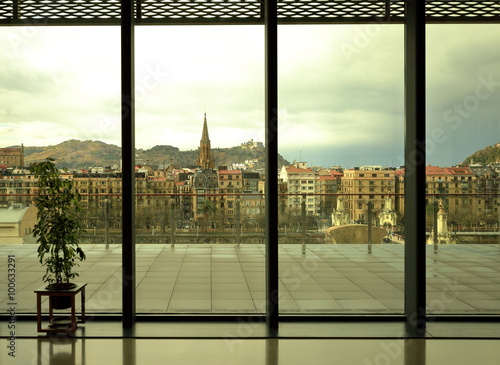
{"x":311,"y":295}
{"x":190,"y":306}
{"x":231,"y":295}
{"x":233,"y":306}
{"x":362,"y":304}
{"x":322,"y":305}
{"x":150,"y":305}
{"x":230,"y":279}
{"x":350,"y":294}
{"x":190,"y":294}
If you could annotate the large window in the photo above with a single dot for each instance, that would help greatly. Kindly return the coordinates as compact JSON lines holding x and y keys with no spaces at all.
{"x":200,"y":193}
{"x":341,"y":120}
{"x":60,"y":91}
{"x":462,"y":176}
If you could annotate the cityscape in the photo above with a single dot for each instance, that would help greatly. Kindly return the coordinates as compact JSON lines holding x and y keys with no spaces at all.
{"x":200,"y":232}
{"x":249,"y":182}
{"x":225,"y":201}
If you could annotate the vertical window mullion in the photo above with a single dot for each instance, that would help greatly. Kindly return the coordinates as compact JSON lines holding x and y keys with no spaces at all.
{"x":415,"y":300}
{"x":271,"y":197}
{"x":128,"y":158}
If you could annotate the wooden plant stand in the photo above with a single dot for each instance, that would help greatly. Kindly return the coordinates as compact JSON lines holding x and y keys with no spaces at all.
{"x":43,"y":291}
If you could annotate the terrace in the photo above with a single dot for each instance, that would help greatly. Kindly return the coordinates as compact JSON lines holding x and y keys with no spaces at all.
{"x":229,"y":279}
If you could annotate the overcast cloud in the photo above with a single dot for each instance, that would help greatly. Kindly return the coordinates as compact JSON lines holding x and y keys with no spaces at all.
{"x":340,"y":89}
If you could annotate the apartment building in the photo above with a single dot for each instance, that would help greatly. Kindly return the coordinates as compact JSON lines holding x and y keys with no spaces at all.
{"x":367,"y":184}
{"x":302,"y":183}
{"x":464,"y":191}
{"x":204,"y":186}
{"x":230,"y":189}
{"x":17,"y":188}
{"x":12,"y":157}
{"x":329,"y":182}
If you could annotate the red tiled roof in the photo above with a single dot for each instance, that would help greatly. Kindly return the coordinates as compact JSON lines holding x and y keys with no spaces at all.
{"x":296,"y":169}
{"x":230,"y":172}
{"x":436,"y":170}
{"x":327,"y":177}
{"x":461,"y":170}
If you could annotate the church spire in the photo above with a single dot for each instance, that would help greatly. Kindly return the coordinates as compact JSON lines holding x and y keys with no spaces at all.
{"x":204,"y":134}
{"x":205,"y":158}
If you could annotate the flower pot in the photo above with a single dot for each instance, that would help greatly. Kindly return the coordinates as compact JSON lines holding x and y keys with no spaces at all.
{"x":61,"y":286}
{"x":60,"y":301}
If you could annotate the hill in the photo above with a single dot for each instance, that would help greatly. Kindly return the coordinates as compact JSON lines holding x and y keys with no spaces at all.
{"x":75,"y":154}
{"x":490,"y":154}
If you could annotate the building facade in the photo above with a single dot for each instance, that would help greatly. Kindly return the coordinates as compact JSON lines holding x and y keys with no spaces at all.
{"x":16,"y":223}
{"x":302,"y":185}
{"x":367,"y":184}
{"x":12,"y":157}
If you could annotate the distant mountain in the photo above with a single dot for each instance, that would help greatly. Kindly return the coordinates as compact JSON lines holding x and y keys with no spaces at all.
{"x":490,"y":154}
{"x":75,"y":154}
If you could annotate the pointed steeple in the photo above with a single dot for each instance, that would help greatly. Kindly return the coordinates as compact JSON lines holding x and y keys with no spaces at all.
{"x":204,"y":134}
{"x":205,"y":158}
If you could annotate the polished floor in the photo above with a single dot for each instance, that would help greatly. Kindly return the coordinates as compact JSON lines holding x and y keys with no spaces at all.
{"x":240,"y":342}
{"x":229,"y":279}
{"x":269,"y":351}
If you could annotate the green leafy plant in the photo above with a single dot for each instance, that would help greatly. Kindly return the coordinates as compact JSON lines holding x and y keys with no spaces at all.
{"x":206,"y":208}
{"x":58,"y":228}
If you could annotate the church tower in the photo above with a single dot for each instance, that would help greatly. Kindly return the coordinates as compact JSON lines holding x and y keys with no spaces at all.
{"x":205,"y":158}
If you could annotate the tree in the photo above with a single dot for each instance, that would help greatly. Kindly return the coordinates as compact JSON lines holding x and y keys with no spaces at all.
{"x":206,"y":208}
{"x":59,"y":226}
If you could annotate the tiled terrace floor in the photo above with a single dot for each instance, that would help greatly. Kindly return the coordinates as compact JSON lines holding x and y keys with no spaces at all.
{"x":229,"y":279}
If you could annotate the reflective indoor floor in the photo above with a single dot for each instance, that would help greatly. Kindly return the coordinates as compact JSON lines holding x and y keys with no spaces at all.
{"x":240,"y":342}
{"x":225,"y":280}
{"x":253,"y":351}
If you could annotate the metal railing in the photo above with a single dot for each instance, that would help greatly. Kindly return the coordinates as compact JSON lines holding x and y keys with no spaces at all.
{"x":181,"y":218}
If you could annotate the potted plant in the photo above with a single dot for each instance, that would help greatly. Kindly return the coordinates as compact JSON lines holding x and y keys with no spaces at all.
{"x":58,"y":228}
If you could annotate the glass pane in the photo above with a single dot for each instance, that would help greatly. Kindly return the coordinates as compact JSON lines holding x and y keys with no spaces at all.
{"x":200,"y":128}
{"x":60,"y":98}
{"x":463,"y":275}
{"x":341,"y":211}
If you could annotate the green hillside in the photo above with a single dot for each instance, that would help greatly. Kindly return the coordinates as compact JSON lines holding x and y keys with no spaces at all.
{"x":75,"y":154}
{"x":490,"y":154}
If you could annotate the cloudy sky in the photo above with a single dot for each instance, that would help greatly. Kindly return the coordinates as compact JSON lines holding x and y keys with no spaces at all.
{"x":340,"y":97}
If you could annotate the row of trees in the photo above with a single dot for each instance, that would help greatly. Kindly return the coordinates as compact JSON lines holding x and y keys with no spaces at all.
{"x":465,"y":219}
{"x":208,"y":217}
